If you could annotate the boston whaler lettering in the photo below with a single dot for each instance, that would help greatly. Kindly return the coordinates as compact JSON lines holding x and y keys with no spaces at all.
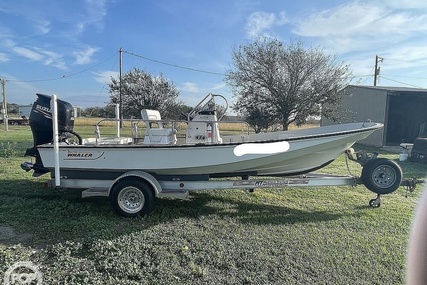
{"x":132,"y":171}
{"x":79,"y":154}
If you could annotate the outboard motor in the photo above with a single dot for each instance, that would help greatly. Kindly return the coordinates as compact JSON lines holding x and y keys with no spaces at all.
{"x":42,"y":128}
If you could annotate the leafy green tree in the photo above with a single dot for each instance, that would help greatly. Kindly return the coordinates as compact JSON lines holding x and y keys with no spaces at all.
{"x":179,"y":112}
{"x":259,"y":119}
{"x":287,"y":83}
{"x":101,"y":112}
{"x":141,"y":90}
{"x":12,"y":108}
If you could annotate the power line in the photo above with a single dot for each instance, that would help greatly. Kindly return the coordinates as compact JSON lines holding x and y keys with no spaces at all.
{"x":63,"y":76}
{"x":409,"y":61}
{"x":401,"y":82}
{"x":174,"y":65}
{"x":358,"y":76}
{"x":198,"y":70}
{"x":412,"y":77}
{"x":103,"y":88}
{"x":377,"y":71}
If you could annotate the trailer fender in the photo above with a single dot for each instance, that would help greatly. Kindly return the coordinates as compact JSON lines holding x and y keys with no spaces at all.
{"x":157,"y":188}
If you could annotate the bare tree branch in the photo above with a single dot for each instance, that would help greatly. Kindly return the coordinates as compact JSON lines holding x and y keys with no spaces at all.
{"x":288,"y":81}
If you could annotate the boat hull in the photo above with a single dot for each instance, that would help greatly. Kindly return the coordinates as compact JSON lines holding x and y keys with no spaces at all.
{"x":280,"y":153}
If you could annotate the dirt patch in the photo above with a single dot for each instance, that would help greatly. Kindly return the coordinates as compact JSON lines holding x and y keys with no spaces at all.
{"x":8,"y":236}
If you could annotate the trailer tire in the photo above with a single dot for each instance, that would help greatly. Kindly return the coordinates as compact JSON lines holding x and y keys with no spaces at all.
{"x":381,"y":175}
{"x":132,"y":197}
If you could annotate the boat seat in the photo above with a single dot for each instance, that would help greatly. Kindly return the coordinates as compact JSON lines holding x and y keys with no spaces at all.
{"x":155,"y":132}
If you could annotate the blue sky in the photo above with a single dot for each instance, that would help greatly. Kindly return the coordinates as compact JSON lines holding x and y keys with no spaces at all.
{"x":70,"y":48}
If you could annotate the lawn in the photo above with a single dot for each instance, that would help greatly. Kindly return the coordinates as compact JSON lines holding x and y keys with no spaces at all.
{"x":325,"y":235}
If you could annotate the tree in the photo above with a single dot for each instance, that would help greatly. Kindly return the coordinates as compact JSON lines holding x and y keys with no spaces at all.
{"x":12,"y":108}
{"x":102,"y":112}
{"x":179,"y":112}
{"x":141,"y":90}
{"x":259,"y":119}
{"x":287,"y":83}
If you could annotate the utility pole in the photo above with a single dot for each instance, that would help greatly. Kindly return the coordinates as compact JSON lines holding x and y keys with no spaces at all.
{"x":120,"y":87}
{"x":377,"y":68}
{"x":4,"y":105}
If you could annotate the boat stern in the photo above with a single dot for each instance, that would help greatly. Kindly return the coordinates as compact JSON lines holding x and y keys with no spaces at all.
{"x":41,"y":125}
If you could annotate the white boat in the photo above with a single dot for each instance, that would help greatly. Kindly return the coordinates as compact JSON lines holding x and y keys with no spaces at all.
{"x":122,"y":167}
{"x":277,"y":153}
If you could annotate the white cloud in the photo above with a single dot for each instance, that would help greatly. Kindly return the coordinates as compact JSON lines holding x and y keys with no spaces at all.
{"x":53,"y":59}
{"x":85,"y":56}
{"x":218,"y":86}
{"x":190,"y":87}
{"x":341,"y":21}
{"x":361,"y":28}
{"x":37,"y":54}
{"x":407,"y":4}
{"x":358,"y":30}
{"x":282,"y":19}
{"x":8,"y":43}
{"x":258,"y":22}
{"x":366,"y":21}
{"x":79,"y":27}
{"x":96,"y":9}
{"x":42,"y":26}
{"x":410,"y":53}
{"x":27,"y":53}
{"x":4,"y":57}
{"x":104,"y":77}
{"x":95,"y":12}
{"x":407,"y":57}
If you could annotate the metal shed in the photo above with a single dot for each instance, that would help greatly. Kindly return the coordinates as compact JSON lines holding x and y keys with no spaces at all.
{"x":403,"y":111}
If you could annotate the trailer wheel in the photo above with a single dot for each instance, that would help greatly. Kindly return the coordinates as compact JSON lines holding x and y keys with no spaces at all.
{"x":381,"y":175}
{"x":132,"y":197}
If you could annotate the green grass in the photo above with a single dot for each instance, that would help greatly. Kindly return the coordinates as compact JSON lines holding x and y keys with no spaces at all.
{"x":319,"y":235}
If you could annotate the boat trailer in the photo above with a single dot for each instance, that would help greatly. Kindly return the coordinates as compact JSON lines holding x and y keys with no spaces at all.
{"x":134,"y":192}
